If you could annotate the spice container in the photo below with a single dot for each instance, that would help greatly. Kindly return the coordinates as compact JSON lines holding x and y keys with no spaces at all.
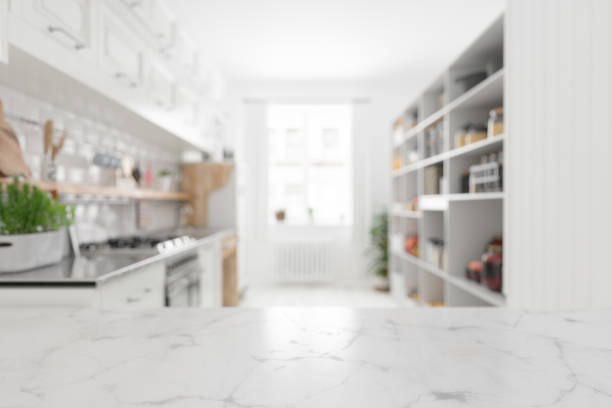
{"x":496,"y":122}
{"x":475,"y":134}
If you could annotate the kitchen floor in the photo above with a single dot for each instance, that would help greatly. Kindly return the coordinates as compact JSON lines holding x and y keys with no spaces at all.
{"x":316,"y":295}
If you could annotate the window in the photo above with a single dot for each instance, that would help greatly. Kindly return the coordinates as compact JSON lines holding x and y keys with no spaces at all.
{"x":309,"y":165}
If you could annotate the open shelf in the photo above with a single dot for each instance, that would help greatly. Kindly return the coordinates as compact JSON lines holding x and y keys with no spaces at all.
{"x":471,"y":149}
{"x":433,"y":163}
{"x":478,"y":290}
{"x":83,"y":190}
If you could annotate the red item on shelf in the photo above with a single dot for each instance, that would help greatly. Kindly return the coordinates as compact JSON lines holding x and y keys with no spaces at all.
{"x":493,"y":270}
{"x":411,"y":245}
{"x":474,"y":271}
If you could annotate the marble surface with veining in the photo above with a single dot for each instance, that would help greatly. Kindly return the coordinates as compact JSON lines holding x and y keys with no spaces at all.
{"x":317,"y":357}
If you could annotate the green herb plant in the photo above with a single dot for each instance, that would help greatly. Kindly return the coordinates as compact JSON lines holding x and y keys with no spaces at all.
{"x":164,"y":173}
{"x":379,"y":244}
{"x":25,"y":209}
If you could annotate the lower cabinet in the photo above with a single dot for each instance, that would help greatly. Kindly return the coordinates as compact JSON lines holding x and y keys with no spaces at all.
{"x":143,"y":288}
{"x":211,"y":275}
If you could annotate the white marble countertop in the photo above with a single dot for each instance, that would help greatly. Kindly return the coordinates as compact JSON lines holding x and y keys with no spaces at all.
{"x":305,"y":358}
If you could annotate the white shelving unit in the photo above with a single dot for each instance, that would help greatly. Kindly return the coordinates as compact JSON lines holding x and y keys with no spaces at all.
{"x":465,"y":222}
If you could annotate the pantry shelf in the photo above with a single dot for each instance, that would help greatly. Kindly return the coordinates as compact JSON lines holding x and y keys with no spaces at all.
{"x":478,"y":290}
{"x":82,"y":190}
{"x":463,"y":104}
{"x":472,"y":149}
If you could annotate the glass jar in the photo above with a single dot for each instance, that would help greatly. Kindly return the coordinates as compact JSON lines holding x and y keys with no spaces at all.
{"x":496,"y":122}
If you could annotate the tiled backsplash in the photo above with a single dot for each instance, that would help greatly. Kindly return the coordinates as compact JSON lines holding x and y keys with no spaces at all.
{"x":96,"y":220}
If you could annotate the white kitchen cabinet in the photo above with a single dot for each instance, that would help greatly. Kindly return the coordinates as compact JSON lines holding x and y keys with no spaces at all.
{"x":156,"y":20}
{"x":121,"y":52}
{"x":187,"y":107}
{"x":4,"y":31}
{"x":161,"y":84}
{"x":68,"y":22}
{"x":184,"y":54}
{"x":211,"y":280}
{"x":140,"y":289}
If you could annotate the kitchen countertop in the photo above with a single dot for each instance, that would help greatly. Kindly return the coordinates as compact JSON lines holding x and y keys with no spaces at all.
{"x":305,"y":358}
{"x":93,"y":268}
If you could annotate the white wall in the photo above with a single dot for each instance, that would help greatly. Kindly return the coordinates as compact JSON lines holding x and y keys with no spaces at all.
{"x":559,"y":179}
{"x":377,"y":105}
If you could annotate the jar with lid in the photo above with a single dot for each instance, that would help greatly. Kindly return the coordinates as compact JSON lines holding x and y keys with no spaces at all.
{"x":496,"y":122}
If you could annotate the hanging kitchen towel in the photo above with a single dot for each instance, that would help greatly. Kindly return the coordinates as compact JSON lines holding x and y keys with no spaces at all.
{"x":11,"y":159}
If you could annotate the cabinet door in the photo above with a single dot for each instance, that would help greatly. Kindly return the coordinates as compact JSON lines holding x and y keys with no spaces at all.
{"x":187,"y":107}
{"x":121,"y":53}
{"x":143,"y":288}
{"x":66,"y":21}
{"x":210,"y":280}
{"x":156,"y":19}
{"x":4,"y":31}
{"x":184,"y":54}
{"x":161,"y":85}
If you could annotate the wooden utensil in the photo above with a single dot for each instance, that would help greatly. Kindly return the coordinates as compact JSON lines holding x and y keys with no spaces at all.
{"x":48,"y":136}
{"x":57,"y":148}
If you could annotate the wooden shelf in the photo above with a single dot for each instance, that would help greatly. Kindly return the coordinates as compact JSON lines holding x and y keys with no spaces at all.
{"x":84,"y":190}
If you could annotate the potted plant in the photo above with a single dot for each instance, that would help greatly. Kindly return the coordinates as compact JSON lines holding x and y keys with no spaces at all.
{"x":31,"y":227}
{"x":379,"y":251}
{"x":280,"y":214}
{"x":164,"y":178}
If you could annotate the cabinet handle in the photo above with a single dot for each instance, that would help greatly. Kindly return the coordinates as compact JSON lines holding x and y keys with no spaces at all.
{"x":130,"y":83}
{"x":78,"y":45}
{"x":132,"y":300}
{"x":147,"y":290}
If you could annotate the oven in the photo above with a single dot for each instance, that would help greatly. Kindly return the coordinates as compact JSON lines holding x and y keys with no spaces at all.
{"x":183,"y":281}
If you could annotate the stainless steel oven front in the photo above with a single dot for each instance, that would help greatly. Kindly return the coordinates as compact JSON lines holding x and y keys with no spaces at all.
{"x":183,"y":281}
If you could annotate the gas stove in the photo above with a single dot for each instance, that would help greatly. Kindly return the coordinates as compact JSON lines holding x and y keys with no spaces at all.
{"x":135,"y":244}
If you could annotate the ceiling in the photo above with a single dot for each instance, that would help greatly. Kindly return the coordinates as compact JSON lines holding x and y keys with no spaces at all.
{"x":333,"y":39}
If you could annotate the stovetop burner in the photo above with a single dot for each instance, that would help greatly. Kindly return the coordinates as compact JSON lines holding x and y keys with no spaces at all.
{"x":135,"y":242}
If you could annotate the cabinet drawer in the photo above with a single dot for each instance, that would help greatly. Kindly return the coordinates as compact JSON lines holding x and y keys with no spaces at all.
{"x":139,"y":289}
{"x":68,"y":21}
{"x":122,"y":53}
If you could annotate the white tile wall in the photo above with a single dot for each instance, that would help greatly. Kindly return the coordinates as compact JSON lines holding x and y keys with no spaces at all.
{"x":96,"y":220}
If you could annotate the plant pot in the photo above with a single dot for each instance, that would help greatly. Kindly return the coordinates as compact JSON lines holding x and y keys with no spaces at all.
{"x":164,"y":183}
{"x":28,"y":251}
{"x":381,"y":284}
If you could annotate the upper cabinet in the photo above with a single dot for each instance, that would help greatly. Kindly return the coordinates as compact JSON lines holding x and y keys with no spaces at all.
{"x":137,"y":55}
{"x":161,"y":85}
{"x":68,"y":21}
{"x":121,"y":52}
{"x":3,"y":31}
{"x":156,"y":20}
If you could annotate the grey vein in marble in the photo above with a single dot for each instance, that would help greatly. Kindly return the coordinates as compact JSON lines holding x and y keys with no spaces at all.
{"x":305,"y":358}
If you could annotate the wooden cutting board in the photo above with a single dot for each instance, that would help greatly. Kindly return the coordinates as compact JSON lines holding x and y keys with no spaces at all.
{"x":11,"y":158}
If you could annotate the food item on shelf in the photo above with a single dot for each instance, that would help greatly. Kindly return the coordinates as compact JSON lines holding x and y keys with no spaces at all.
{"x":414,"y":204}
{"x":487,"y":177}
{"x":397,"y":162}
{"x":475,"y":133}
{"x":412,"y":156}
{"x":434,"y":139}
{"x":492,"y":262}
{"x":432,"y":175}
{"x":460,"y":137}
{"x":496,"y":122}
{"x":465,"y":182}
{"x":411,"y":245}
{"x":414,"y":295}
{"x":436,"y":304}
{"x":435,"y":253}
{"x":474,"y":271}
